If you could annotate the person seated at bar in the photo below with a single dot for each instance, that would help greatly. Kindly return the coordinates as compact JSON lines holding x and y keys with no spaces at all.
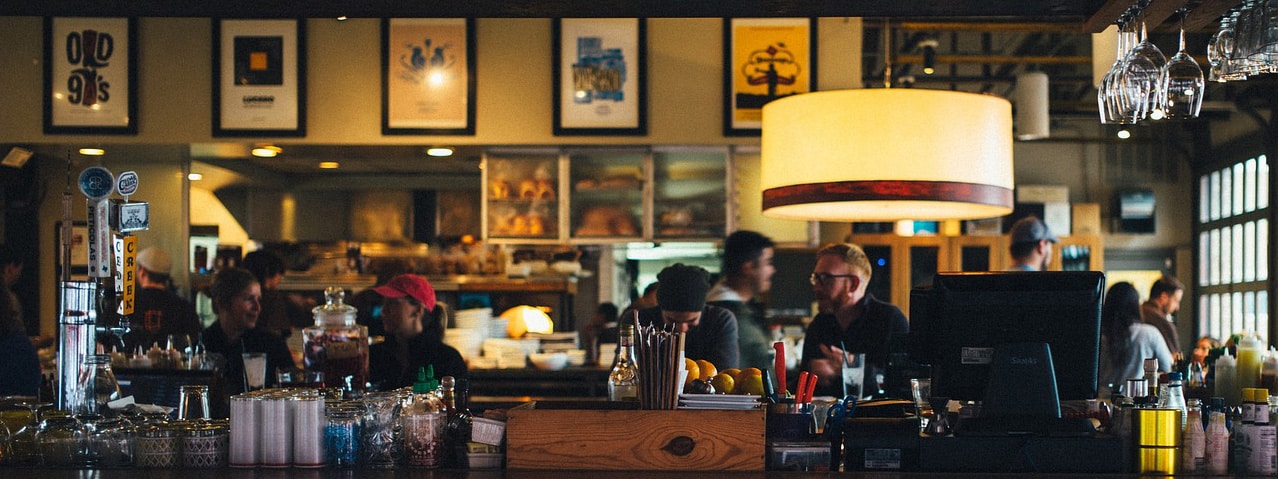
{"x":848,"y":316}
{"x":157,"y":312}
{"x":21,"y":373}
{"x":368,"y":304}
{"x":281,"y":312}
{"x":414,"y":324}
{"x":681,"y":307}
{"x":237,"y":303}
{"x":1126,"y":341}
{"x":747,"y":274}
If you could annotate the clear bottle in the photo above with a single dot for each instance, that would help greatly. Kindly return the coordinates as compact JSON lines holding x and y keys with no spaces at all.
{"x":1217,"y":443}
{"x":623,"y":381}
{"x":1194,"y":445}
{"x":1269,"y":371}
{"x":1227,"y":380}
{"x":423,"y":423}
{"x":336,"y":345}
{"x":1173,"y":397}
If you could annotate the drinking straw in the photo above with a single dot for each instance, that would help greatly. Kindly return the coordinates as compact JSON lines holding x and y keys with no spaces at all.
{"x":767,"y":387}
{"x":779,"y":365}
{"x":844,"y":348}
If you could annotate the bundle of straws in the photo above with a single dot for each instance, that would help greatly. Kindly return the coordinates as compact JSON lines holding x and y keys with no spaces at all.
{"x":660,"y":356}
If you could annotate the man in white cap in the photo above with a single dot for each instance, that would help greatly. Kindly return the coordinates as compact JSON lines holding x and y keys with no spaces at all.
{"x":157,"y":311}
{"x":1031,"y":245}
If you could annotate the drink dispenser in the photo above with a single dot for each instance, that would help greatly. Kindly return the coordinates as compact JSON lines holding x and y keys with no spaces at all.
{"x":77,"y":323}
{"x":335,"y":345}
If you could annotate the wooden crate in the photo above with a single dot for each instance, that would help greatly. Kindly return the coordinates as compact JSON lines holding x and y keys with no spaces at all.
{"x":616,"y":440}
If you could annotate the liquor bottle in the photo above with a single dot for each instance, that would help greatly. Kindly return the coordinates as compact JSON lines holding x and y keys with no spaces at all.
{"x":623,"y":381}
{"x":457,"y":428}
{"x":1217,"y":441}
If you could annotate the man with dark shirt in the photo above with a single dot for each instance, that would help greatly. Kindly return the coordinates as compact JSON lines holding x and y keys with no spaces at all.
{"x":1164,"y":301}
{"x":848,"y":317}
{"x":747,"y":272}
{"x":681,"y":307}
{"x":157,"y":312}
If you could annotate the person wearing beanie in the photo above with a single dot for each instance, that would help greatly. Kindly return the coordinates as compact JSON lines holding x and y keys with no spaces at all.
{"x":414,"y":325}
{"x":711,"y":331}
{"x":157,"y":311}
{"x":849,"y":317}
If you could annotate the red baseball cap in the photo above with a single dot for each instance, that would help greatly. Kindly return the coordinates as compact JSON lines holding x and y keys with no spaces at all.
{"x":409,"y":285}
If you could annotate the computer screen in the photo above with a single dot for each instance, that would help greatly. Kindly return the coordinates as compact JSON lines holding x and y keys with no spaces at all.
{"x":957,"y":324}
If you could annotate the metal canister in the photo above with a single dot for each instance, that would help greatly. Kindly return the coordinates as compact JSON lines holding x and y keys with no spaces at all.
{"x":244,"y":430}
{"x":204,"y":445}
{"x":308,"y":430}
{"x":275,"y":431}
{"x":1157,"y":440}
{"x":159,"y":445}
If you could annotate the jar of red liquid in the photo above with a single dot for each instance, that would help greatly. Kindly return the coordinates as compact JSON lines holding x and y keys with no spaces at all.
{"x":335,"y":345}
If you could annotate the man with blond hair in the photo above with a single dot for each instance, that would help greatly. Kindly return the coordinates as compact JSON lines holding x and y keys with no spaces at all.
{"x":849,"y":316}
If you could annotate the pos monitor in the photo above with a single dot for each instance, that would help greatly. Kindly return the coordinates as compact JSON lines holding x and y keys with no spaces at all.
{"x":1019,"y":341}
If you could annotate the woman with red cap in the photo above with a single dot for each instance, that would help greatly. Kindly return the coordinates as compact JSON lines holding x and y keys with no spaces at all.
{"x":414,"y":325}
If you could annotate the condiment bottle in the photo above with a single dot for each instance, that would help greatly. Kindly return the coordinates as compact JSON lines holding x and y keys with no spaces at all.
{"x":1217,"y":441}
{"x":336,"y":345}
{"x":1227,"y":380}
{"x":1264,"y":444}
{"x":423,"y":423}
{"x":1269,"y":371}
{"x":1249,"y":351}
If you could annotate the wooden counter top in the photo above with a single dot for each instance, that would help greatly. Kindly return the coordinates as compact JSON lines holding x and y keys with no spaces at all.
{"x":295,"y":473}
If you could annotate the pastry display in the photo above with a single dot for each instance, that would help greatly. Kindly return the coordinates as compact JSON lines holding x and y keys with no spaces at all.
{"x":499,"y":189}
{"x":607,"y":221}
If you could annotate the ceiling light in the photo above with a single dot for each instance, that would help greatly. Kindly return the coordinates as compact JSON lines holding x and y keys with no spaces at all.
{"x":439,"y":151}
{"x":267,"y":151}
{"x":342,"y":18}
{"x":194,"y":177}
{"x":1124,"y":134}
{"x":929,"y":45}
{"x":92,"y":151}
{"x":887,"y":154}
{"x":1033,"y":120}
{"x":328,"y":165}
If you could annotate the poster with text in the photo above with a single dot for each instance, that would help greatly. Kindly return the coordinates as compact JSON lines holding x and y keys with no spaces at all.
{"x":90,"y":76}
{"x":764,"y":59}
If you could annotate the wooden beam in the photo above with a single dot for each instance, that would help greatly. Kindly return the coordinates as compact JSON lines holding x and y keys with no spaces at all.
{"x":1206,"y":16}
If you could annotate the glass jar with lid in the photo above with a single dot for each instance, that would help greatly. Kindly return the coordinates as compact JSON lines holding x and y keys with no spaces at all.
{"x":61,"y":441}
{"x":342,"y":433}
{"x":111,"y":443}
{"x":158,"y":444}
{"x":204,"y":444}
{"x":336,"y":345}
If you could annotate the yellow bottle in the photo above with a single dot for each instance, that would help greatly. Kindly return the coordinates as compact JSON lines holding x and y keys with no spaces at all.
{"x":1250,"y":350}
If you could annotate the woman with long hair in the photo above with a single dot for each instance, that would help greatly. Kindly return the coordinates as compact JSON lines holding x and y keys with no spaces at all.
{"x":1126,"y":341}
{"x":414,"y":324}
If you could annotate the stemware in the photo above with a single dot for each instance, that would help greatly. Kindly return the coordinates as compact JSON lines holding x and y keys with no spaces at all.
{"x":1106,"y":92}
{"x":1153,"y":108}
{"x":1133,"y":86}
{"x":1181,"y":82}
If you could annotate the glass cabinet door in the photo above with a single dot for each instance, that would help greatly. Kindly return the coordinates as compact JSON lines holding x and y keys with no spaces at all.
{"x":522,"y":195}
{"x":607,"y":194}
{"x":690,"y":194}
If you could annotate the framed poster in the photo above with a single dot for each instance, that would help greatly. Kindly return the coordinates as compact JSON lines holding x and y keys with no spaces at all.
{"x":90,"y":76}
{"x":764,"y":59}
{"x":259,"y":87}
{"x":428,"y":76}
{"x":599,"y":76}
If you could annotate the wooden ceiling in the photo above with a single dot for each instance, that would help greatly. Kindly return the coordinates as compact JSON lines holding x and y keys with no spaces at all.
{"x":1085,"y":15}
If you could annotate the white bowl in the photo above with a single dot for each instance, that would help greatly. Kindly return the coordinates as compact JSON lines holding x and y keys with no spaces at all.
{"x":549,"y":361}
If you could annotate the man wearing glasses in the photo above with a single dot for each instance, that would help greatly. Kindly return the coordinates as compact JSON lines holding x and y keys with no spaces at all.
{"x":848,"y":316}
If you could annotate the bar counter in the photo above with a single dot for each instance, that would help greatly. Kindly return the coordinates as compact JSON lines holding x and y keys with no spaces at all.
{"x":483,"y":474}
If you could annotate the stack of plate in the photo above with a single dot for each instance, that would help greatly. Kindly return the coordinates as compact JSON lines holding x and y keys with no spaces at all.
{"x":476,"y":318}
{"x":466,"y":341}
{"x":718,"y":401}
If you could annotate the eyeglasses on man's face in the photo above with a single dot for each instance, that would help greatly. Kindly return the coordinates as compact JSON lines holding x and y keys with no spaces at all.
{"x":826,"y":278}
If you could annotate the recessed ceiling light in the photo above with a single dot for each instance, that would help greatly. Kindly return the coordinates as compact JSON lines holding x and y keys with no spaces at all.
{"x":439,"y":151}
{"x":267,"y":151}
{"x":341,"y":18}
{"x":194,"y":177}
{"x":328,"y":165}
{"x":92,"y":151}
{"x":1124,"y":134}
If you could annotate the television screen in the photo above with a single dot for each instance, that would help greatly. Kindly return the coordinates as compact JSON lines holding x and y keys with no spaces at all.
{"x":964,"y":316}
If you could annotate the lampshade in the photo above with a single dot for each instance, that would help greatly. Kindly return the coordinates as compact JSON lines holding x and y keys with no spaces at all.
{"x":887,"y":154}
{"x":1033,"y":119}
{"x":521,"y":320}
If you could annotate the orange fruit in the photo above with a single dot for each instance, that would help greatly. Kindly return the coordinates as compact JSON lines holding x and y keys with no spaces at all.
{"x":707,"y":369}
{"x":750,"y":382}
{"x":723,"y":383}
{"x":694,"y":371}
{"x":734,"y":372}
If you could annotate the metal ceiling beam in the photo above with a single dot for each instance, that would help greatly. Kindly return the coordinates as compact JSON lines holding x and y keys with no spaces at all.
{"x":999,"y":59}
{"x":1201,"y":16}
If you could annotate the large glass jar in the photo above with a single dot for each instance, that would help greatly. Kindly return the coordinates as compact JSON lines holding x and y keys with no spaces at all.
{"x":335,"y":345}
{"x":381,"y":446}
{"x":62,"y":441}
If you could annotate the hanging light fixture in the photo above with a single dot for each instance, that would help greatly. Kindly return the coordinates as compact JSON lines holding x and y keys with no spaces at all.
{"x":1033,"y":119}
{"x":887,"y":154}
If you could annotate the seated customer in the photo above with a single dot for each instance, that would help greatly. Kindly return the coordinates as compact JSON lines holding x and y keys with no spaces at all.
{"x":414,"y":325}
{"x":157,"y":312}
{"x":237,"y":302}
{"x":21,"y":373}
{"x":681,"y":307}
{"x":1126,"y":341}
{"x":849,"y":316}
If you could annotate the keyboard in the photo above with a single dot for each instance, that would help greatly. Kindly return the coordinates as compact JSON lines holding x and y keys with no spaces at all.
{"x":1025,"y":426}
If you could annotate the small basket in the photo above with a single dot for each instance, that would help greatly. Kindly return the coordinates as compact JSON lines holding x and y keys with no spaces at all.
{"x":487,"y":431}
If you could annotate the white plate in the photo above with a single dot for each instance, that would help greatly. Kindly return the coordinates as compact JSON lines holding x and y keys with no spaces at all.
{"x":720,"y":398}
{"x":720,"y":406}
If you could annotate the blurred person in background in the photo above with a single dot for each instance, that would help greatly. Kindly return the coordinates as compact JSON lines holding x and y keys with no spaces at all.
{"x":602,"y":328}
{"x":237,"y":302}
{"x":1164,"y":301}
{"x":20,"y":374}
{"x":1126,"y":341}
{"x":414,"y":324}
{"x":157,"y":311}
{"x":1030,"y":243}
{"x":681,"y":307}
{"x":747,"y":272}
{"x":281,"y":312}
{"x":11,"y":264}
{"x":368,"y":304}
{"x":647,"y":300}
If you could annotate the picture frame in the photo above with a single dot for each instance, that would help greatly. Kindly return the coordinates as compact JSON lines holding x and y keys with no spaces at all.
{"x":764,"y":59}
{"x":259,"y":82}
{"x":79,"y":250}
{"x":600,"y":76}
{"x":428,"y":76}
{"x":94,"y":93}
